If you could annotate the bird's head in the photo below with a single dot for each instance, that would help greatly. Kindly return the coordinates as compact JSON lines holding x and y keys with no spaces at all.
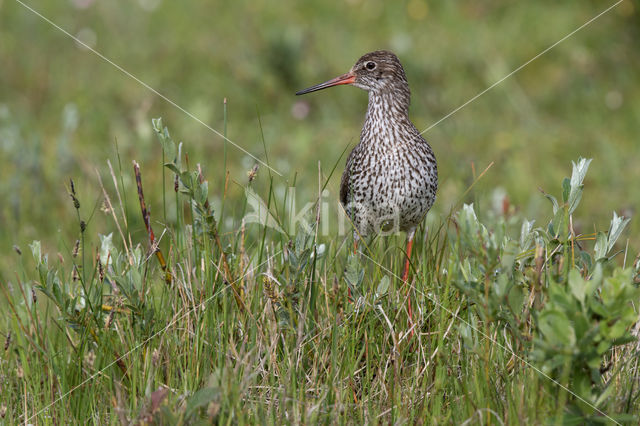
{"x":376,"y":72}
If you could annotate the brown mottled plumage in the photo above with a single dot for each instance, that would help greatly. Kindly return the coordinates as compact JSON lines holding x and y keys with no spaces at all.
{"x":391,"y":176}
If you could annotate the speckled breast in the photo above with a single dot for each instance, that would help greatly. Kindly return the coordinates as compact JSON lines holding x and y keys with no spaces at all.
{"x":392,"y":189}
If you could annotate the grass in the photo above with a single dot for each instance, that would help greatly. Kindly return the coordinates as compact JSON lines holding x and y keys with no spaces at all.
{"x":258,"y":326}
{"x":578,"y":99}
{"x":246,"y":324}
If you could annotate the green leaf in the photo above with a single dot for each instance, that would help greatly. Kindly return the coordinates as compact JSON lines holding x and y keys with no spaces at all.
{"x":516,"y":299}
{"x":597,"y":307}
{"x":579,"y":172}
{"x":600,"y":249}
{"x":526,"y":234}
{"x":185,"y":178}
{"x":36,"y":251}
{"x":202,"y":191}
{"x":558,"y":223}
{"x":574,"y":198}
{"x":556,"y":328}
{"x":172,"y":167}
{"x":617,"y":331}
{"x":566,"y":189}
{"x":603,"y":347}
{"x":509,"y":253}
{"x":577,"y":177}
{"x":354,"y":274}
{"x":383,"y":286}
{"x":553,"y":200}
{"x":200,"y":399}
{"x":595,"y":281}
{"x":500,"y":286}
{"x":156,"y":123}
{"x":168,"y":146}
{"x":618,"y":223}
{"x":577,"y":285}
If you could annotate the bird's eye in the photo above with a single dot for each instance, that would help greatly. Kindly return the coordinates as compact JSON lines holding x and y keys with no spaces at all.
{"x":370,"y":65}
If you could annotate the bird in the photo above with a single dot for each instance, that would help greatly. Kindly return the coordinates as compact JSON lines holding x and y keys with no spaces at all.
{"x":391,"y":176}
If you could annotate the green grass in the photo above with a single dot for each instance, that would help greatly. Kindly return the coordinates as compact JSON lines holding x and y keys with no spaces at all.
{"x":256,"y":325}
{"x":56,"y":124}
{"x":264,"y":330}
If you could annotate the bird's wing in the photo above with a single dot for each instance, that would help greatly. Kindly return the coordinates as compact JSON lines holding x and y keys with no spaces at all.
{"x":344,"y":182}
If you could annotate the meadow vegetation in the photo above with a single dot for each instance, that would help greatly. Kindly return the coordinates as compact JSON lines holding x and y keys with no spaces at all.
{"x":524,"y":276}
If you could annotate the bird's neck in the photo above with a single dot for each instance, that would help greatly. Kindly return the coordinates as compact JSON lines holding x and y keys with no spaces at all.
{"x":387,"y":114}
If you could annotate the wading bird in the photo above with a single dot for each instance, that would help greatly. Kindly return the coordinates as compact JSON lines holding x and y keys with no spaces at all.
{"x":391,"y":177}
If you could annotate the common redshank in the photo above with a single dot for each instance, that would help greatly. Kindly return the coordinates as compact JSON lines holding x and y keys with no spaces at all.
{"x":391,"y":177}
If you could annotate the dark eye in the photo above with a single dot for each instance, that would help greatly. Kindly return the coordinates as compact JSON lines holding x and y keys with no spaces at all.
{"x":370,"y":65}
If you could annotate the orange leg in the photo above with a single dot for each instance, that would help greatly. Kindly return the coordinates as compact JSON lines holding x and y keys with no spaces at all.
{"x":405,"y":277}
{"x":405,"y":274}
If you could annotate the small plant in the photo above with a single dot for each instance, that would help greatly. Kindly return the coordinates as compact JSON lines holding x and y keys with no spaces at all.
{"x":524,"y":323}
{"x":565,"y":306}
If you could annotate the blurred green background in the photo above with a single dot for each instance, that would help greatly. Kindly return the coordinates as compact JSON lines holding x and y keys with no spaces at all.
{"x":63,"y":109}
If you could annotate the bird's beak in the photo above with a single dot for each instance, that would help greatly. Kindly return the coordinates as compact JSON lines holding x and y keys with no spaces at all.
{"x":347,"y":78}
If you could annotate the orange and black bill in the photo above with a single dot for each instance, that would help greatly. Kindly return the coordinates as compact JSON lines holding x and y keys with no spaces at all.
{"x":347,"y":78}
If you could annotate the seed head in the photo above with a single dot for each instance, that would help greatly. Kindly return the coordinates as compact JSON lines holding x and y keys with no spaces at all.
{"x":89,"y":359}
{"x":109,"y":319}
{"x":270,"y":290}
{"x":253,"y":172}
{"x":76,"y":203}
{"x":106,"y":206}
